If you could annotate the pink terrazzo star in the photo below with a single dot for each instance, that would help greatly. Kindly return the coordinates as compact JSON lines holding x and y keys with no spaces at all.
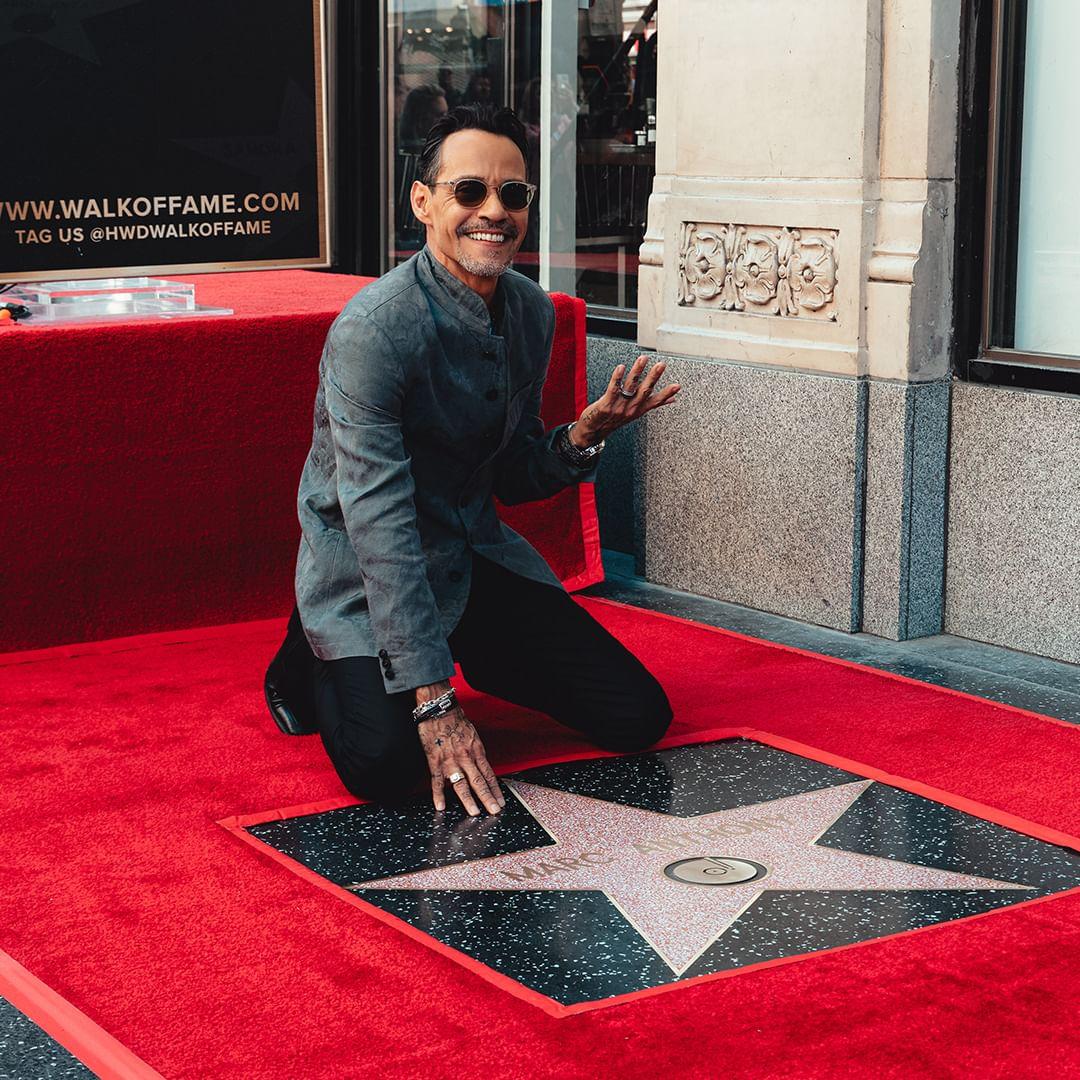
{"x":623,"y":851}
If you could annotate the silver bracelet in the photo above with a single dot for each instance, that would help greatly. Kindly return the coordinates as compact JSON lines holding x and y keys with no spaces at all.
{"x":436,"y":707}
{"x":580,"y":457}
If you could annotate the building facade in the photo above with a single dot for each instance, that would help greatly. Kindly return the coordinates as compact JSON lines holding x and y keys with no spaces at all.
{"x":846,"y":228}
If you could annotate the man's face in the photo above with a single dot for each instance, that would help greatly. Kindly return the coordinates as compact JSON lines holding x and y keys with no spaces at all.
{"x":454,"y":231}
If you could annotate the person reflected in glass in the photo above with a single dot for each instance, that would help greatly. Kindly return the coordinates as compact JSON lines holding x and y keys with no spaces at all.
{"x":423,"y":106}
{"x":478,"y":92}
{"x":446,"y":83}
{"x":529,"y":113}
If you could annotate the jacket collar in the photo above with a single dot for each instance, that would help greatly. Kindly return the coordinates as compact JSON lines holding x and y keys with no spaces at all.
{"x":454,"y":296}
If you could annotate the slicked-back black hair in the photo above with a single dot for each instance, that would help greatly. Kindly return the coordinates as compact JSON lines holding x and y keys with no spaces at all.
{"x":480,"y":116}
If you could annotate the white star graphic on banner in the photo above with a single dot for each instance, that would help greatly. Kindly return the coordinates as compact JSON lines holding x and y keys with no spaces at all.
{"x":59,"y":24}
{"x":628,"y":854}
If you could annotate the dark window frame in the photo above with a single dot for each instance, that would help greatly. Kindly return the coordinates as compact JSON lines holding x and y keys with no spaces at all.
{"x":987,"y":218}
{"x":611,"y":322}
{"x":355,"y":119}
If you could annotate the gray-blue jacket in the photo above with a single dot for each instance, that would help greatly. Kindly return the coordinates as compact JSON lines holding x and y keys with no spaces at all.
{"x":426,"y":407}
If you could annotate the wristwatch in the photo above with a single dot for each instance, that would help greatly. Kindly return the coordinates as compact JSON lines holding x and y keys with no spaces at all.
{"x":576,"y":455}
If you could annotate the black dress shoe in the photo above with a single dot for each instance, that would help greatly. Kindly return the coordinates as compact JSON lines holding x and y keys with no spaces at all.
{"x":289,"y":683}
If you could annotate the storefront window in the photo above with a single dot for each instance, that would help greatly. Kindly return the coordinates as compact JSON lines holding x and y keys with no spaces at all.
{"x":1034,"y":215}
{"x":597,"y":83}
{"x":1048,"y":248}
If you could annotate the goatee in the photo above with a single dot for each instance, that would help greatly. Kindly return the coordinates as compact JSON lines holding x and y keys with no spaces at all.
{"x":491,"y":267}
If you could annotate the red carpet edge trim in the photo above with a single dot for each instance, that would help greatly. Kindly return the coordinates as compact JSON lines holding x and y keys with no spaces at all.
{"x":836,"y":660}
{"x":74,"y":1030}
{"x":590,"y":522}
{"x":237,"y":826}
{"x":590,"y":541}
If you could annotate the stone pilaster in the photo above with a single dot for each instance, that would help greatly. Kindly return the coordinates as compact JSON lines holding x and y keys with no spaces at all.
{"x":799,"y":239}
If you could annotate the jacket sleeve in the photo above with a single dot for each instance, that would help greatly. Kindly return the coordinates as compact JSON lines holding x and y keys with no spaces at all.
{"x":528,"y":467}
{"x":364,"y":386}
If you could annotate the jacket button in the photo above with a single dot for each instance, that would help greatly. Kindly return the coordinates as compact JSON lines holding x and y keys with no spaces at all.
{"x":454,"y":575}
{"x":492,"y":394}
{"x":383,"y":654}
{"x":389,"y":671}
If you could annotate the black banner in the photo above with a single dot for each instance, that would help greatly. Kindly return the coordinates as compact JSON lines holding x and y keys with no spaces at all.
{"x":158,"y":135}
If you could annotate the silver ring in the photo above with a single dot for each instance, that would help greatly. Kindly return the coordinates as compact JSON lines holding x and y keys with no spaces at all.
{"x":456,"y":778}
{"x":627,"y":393}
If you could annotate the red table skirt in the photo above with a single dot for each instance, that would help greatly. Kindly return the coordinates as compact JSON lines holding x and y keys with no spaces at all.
{"x":150,"y":467}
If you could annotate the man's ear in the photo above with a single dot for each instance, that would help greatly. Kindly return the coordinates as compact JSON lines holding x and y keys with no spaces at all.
{"x":420,"y":197}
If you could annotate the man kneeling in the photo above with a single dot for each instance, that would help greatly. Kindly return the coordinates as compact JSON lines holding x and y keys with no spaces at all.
{"x":428,"y":405}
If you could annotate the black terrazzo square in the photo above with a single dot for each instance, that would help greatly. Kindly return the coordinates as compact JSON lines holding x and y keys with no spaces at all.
{"x":28,"y":1053}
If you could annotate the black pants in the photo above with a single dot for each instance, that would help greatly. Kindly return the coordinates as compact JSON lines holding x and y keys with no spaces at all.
{"x":519,"y":640}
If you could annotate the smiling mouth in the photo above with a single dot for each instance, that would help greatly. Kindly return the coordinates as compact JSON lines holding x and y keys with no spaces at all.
{"x":492,"y":238}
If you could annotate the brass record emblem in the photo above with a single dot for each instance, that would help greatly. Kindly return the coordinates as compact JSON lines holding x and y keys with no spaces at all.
{"x":715,"y":870}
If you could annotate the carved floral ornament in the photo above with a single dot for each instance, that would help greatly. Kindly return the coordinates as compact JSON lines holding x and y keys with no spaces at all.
{"x":762,"y":271}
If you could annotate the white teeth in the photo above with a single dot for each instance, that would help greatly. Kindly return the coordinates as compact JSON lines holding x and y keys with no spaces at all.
{"x":495,"y":237}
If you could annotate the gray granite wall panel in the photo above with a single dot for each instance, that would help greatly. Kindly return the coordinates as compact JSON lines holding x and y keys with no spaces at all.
{"x":1013,"y":570}
{"x":927,"y":491}
{"x":886,"y":468}
{"x":907,"y":454}
{"x":858,"y":522}
{"x":615,"y":477}
{"x":749,"y":489}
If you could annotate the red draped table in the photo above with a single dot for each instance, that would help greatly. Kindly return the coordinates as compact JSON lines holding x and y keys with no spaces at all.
{"x":150,"y":467}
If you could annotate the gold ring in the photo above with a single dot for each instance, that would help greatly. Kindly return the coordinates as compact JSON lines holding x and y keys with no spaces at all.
{"x":456,"y":778}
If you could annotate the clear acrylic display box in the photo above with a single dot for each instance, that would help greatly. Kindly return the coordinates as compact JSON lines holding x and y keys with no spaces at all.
{"x":54,"y":302}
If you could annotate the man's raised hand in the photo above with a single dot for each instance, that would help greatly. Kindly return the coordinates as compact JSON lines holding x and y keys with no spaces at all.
{"x":619,"y":406}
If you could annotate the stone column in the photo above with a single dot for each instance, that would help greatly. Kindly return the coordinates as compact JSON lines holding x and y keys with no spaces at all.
{"x":795,"y":275}
{"x":909,"y":280}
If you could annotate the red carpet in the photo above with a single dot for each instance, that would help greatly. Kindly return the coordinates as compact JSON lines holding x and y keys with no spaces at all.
{"x":123,"y":895}
{"x":157,"y":461}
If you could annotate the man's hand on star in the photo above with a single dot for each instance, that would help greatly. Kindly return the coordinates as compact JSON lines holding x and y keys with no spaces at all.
{"x":452,"y":746}
{"x":615,"y":409}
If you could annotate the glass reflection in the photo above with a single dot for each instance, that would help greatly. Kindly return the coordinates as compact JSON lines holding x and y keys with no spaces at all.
{"x":443,"y":54}
{"x":616,"y":162}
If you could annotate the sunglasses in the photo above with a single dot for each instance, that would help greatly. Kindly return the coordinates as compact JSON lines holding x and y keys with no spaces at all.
{"x":513,"y":194}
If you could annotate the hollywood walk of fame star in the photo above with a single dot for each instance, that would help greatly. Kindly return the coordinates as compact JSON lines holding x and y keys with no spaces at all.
{"x":60,"y":24}
{"x":623,"y":852}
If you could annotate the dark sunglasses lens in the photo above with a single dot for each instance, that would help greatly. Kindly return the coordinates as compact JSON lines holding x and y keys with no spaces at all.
{"x":470,"y":192}
{"x":514,"y":195}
